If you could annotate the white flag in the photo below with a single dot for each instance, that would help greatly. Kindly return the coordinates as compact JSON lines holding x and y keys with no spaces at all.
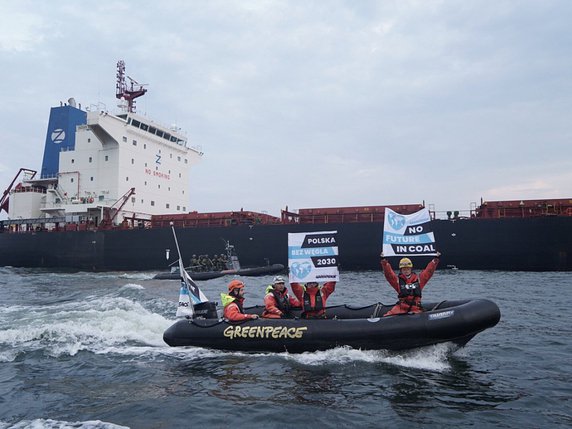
{"x":408,"y":235}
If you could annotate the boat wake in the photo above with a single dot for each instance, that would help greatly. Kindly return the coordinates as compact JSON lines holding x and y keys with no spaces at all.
{"x":432,"y":358}
{"x":96,"y":324}
{"x":59,"y":424}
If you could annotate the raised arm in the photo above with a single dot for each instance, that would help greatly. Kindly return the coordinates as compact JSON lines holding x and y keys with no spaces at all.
{"x":389,"y":274}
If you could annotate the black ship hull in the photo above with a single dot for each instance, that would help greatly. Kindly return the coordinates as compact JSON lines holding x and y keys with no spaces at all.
{"x":518,"y":244}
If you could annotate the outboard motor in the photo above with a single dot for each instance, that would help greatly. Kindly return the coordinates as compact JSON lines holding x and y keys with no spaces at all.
{"x":205,"y":310}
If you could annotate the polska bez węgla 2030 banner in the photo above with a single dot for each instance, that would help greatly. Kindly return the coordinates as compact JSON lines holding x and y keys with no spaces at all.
{"x":313,"y":256}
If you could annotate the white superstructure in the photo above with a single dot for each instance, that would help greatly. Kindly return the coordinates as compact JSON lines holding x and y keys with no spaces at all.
{"x":111,"y":155}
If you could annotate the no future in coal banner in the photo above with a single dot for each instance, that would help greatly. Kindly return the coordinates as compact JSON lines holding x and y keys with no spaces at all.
{"x":313,"y":256}
{"x":408,"y":235}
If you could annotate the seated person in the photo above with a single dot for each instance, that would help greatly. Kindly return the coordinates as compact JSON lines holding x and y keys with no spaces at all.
{"x":233,"y":301}
{"x":277,"y":302}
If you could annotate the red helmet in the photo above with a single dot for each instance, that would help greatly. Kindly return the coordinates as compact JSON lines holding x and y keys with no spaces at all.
{"x":235,"y":284}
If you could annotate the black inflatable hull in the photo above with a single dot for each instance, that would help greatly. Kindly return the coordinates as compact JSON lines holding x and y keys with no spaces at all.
{"x":207,"y":275}
{"x":204,"y":275}
{"x":261,"y":271}
{"x":451,"y":321}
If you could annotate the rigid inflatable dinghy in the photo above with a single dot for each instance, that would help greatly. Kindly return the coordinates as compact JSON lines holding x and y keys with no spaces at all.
{"x":356,"y":327}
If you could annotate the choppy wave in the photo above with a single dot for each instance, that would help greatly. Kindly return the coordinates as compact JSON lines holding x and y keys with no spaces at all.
{"x":95,"y":324}
{"x":55,"y":424}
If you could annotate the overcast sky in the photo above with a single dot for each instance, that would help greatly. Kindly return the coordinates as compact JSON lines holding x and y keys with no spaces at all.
{"x":313,"y":103}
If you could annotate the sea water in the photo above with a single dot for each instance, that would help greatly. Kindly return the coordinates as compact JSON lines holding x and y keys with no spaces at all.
{"x":85,"y":350}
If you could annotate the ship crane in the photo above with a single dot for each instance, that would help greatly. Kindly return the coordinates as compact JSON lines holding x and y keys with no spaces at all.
{"x":123,"y":92}
{"x":107,"y":220}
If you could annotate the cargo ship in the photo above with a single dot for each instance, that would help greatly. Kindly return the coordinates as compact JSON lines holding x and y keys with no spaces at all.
{"x":111,"y":184}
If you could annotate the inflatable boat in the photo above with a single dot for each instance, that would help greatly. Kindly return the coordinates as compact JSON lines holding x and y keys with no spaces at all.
{"x":356,"y":327}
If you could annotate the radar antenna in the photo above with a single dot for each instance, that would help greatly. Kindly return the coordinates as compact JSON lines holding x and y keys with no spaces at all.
{"x":128,"y":94}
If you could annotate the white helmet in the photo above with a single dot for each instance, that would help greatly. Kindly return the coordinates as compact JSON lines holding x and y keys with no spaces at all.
{"x":278,"y":279}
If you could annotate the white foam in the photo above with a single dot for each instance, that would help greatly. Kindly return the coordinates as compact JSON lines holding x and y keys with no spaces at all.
{"x":137,"y":276}
{"x":433,"y":358}
{"x":132,"y":286}
{"x":58,"y":424}
{"x":93,"y":324}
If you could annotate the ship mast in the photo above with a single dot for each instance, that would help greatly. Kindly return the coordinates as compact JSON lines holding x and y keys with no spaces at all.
{"x":122,"y":92}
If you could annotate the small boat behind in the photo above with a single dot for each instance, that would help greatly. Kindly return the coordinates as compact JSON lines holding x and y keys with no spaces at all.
{"x":264,"y":270}
{"x":197,"y":276}
{"x":357,"y":327}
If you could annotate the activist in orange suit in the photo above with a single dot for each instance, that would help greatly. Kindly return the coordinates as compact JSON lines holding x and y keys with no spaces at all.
{"x":408,"y":284}
{"x":313,"y":298}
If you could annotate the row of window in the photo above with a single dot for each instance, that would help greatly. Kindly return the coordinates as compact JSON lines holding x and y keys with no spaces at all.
{"x":134,"y":142}
{"x":127,"y":180}
{"x":155,"y":131}
{"x":132,"y":163}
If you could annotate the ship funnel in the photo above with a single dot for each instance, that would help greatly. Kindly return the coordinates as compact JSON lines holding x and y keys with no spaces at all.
{"x":71,"y":102}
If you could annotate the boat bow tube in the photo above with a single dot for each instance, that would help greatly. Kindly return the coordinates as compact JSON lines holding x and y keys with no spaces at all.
{"x":356,"y":327}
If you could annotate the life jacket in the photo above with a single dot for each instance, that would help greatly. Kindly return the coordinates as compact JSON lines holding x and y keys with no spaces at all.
{"x":282,"y":301}
{"x":307,"y":302}
{"x":408,"y":292}
{"x":228,"y":299}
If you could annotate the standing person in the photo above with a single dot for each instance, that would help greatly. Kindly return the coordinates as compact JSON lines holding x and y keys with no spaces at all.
{"x":277,"y":302}
{"x":408,"y":284}
{"x":233,"y":303}
{"x":313,"y":298}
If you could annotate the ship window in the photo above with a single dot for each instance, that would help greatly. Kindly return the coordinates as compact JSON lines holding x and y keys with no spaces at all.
{"x":178,"y":207}
{"x":107,"y":157}
{"x":169,"y":171}
{"x":167,"y":136}
{"x":89,"y":140}
{"x":136,"y":123}
{"x":152,"y":130}
{"x":159,"y":133}
{"x":90,"y":159}
{"x":183,"y":192}
{"x":184,"y":209}
{"x":158,"y":186}
{"x":91,"y":178}
{"x":134,"y":142}
{"x":145,"y":146}
{"x":171,"y":155}
{"x":174,"y":139}
{"x":133,"y":200}
{"x":71,"y":179}
{"x":142,"y":200}
{"x":169,"y":188}
{"x":145,"y":164}
{"x":132,"y":161}
{"x":101,"y":198}
{"x":179,"y":158}
{"x":167,"y":205}
{"x":186,"y":161}
{"x":125,"y":139}
{"x":144,"y":127}
{"x":127,"y":179}
{"x":153,"y":203}
{"x":73,"y":161}
{"x":179,"y":175}
{"x":145,"y":183}
{"x":159,"y":150}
